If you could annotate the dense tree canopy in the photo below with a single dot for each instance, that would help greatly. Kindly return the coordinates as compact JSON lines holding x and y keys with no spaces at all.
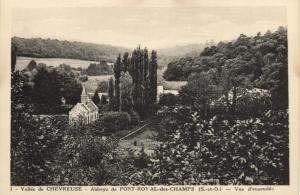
{"x":46,"y":86}
{"x":255,"y":52}
{"x":98,"y":69}
{"x":102,"y":87}
{"x":258,"y":61}
{"x":141,"y":71}
{"x":53,"y":48}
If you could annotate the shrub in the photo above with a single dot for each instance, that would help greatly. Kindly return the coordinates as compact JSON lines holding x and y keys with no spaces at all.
{"x":103,"y":100}
{"x":110,"y":122}
{"x":103,"y":108}
{"x":142,"y":160}
{"x":62,"y":109}
{"x":135,"y":118}
{"x":153,"y":109}
{"x":252,"y":106}
{"x":170,"y":117}
{"x":253,"y":151}
{"x":168,"y":99}
{"x":86,"y":160}
{"x":34,"y":146}
{"x":83,"y":78}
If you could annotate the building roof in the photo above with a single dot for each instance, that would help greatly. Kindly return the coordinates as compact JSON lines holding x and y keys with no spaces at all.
{"x":173,"y":85}
{"x":102,"y":93}
{"x":76,"y":107}
{"x":91,"y":106}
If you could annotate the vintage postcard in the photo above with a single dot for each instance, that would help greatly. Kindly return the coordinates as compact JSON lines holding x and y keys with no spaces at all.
{"x":143,"y":96}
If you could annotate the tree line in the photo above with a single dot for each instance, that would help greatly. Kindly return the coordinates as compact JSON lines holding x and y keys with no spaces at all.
{"x":46,"y":86}
{"x":249,"y":61}
{"x":101,"y":68}
{"x":53,"y":48}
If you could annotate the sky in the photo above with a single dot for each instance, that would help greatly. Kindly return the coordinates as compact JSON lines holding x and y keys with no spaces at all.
{"x":154,"y":27}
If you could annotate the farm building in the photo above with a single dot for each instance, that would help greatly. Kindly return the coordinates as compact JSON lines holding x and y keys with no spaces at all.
{"x":85,"y":111}
{"x":172,"y":87}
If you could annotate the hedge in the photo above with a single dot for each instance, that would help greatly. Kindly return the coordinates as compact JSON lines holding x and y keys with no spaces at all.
{"x":111,"y":122}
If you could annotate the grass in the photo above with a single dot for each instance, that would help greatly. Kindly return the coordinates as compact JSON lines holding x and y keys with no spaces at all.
{"x":146,"y":139}
{"x":93,"y":81}
{"x":22,"y":62}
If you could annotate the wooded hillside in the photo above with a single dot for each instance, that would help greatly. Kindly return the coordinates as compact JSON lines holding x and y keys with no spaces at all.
{"x":53,"y":48}
{"x":254,"y":52}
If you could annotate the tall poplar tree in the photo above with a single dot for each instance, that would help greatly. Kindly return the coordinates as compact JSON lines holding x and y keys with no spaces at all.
{"x":153,"y":78}
{"x":96,"y":98}
{"x":145,"y":83}
{"x":125,"y":62}
{"x":144,"y":79}
{"x":117,"y":72}
{"x":111,"y":92}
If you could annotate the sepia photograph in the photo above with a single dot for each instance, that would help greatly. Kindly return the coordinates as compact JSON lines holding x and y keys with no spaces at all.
{"x":143,"y":96}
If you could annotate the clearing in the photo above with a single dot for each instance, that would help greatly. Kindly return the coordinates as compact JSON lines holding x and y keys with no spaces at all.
{"x":146,"y":138}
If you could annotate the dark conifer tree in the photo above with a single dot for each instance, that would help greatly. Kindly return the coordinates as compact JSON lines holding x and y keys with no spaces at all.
{"x":46,"y":91}
{"x":117,"y":71}
{"x":96,"y":98}
{"x":144,"y":78}
{"x":103,"y":100}
{"x":13,"y":57}
{"x":153,"y":78}
{"x":145,"y":83}
{"x":125,"y":62}
{"x":111,"y":92}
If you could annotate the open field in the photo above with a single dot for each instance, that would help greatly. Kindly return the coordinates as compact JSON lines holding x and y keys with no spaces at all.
{"x":22,"y":62}
{"x":93,"y":81}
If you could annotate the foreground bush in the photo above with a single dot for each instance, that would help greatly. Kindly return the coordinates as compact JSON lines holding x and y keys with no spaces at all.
{"x":84,"y":160}
{"x":34,"y":139}
{"x":253,"y":151}
{"x":33,"y":147}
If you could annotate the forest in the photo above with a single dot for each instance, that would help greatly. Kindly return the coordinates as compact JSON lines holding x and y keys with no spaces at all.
{"x":259,"y":61}
{"x":229,"y":125}
{"x":53,"y":48}
{"x":101,"y":68}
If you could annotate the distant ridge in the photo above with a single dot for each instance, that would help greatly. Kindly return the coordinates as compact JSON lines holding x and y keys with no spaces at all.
{"x":188,"y":50}
{"x":53,"y":48}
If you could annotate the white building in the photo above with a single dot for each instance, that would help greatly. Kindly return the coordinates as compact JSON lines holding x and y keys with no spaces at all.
{"x":85,"y":111}
{"x":172,"y":87}
{"x":101,"y":94}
